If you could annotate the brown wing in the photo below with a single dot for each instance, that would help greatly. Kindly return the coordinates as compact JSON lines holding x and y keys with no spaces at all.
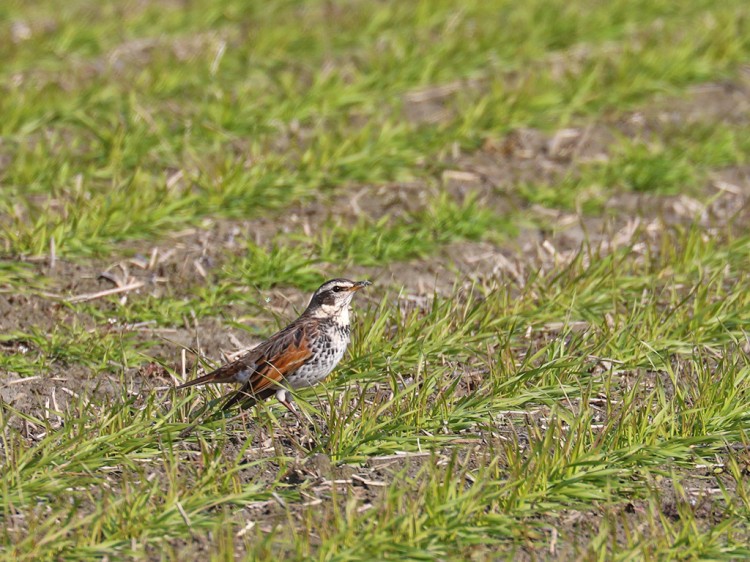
{"x":267,"y":364}
{"x":270,"y":371}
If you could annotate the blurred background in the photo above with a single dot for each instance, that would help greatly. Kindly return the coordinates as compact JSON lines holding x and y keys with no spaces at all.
{"x":129,"y":120}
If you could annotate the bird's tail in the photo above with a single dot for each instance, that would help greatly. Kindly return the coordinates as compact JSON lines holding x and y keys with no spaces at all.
{"x":217,"y":376}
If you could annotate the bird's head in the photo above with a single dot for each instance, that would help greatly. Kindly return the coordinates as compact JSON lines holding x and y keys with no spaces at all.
{"x":333,"y":297}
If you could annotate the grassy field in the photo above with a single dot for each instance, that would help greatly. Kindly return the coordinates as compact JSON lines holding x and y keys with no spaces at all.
{"x":551,"y":198}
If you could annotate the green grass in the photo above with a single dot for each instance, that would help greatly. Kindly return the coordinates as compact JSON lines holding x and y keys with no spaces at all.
{"x":67,"y":345}
{"x":13,"y":273}
{"x":678,"y":393}
{"x":379,"y":242}
{"x":677,"y":159}
{"x":296,"y":260}
{"x":590,"y":405}
{"x":120,"y":439}
{"x":102,"y":143}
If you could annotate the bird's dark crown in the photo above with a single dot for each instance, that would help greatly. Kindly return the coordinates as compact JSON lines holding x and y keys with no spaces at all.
{"x":335,"y":291}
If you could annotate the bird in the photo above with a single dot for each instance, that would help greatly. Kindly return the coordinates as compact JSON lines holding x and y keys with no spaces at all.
{"x":299,"y":356}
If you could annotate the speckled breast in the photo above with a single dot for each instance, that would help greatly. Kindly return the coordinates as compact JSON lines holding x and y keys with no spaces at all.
{"x":327,"y":351}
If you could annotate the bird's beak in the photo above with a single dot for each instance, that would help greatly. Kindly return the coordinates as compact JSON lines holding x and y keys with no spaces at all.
{"x":360,"y":285}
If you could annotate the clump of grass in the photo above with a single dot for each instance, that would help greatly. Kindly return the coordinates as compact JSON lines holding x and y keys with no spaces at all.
{"x":415,"y":235}
{"x":644,"y":168}
{"x":17,"y":277}
{"x":38,"y":351}
{"x":263,"y":268}
{"x":677,"y":159}
{"x":91,"y":442}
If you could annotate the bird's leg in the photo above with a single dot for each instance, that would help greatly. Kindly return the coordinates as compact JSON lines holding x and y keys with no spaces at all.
{"x":285,"y":397}
{"x":286,"y":400}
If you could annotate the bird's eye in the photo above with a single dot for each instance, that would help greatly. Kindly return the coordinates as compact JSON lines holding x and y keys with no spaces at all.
{"x":337,"y":289}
